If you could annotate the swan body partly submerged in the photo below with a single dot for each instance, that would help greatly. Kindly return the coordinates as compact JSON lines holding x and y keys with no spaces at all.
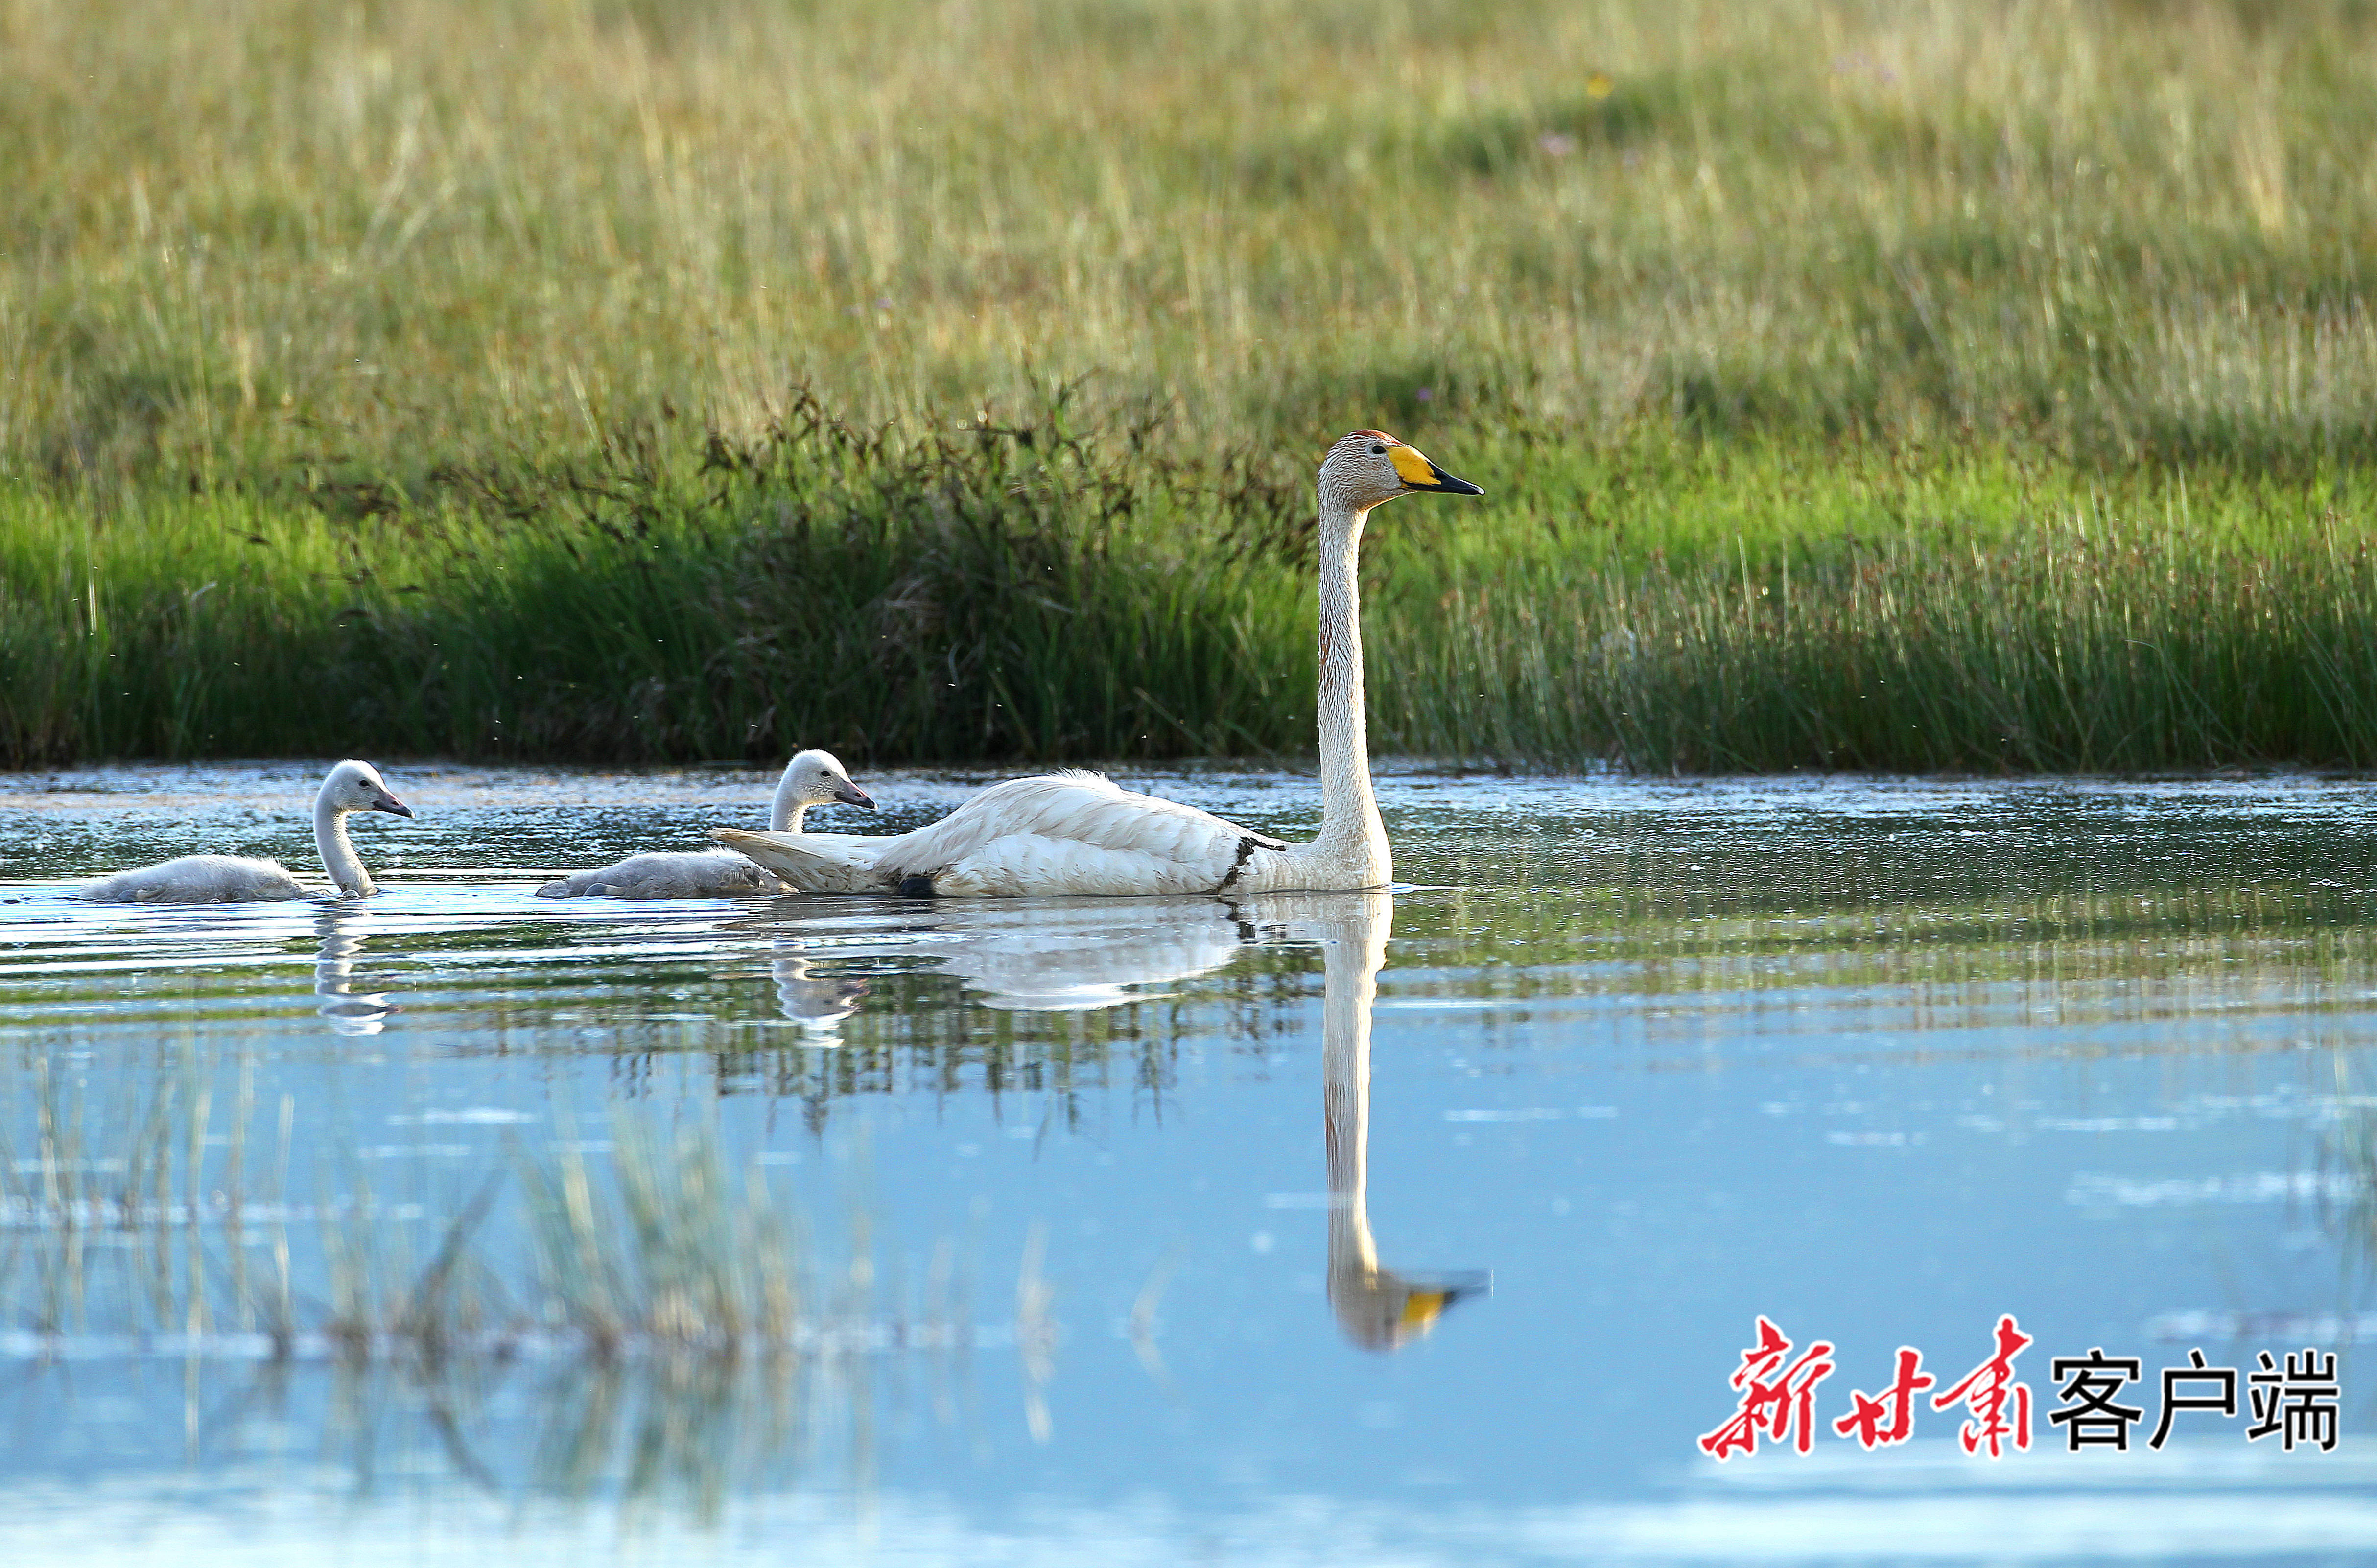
{"x":811,"y":778}
{"x":229,"y":879}
{"x":1079,"y":833}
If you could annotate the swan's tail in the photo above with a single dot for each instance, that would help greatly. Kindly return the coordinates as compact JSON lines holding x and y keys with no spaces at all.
{"x":807,"y":864}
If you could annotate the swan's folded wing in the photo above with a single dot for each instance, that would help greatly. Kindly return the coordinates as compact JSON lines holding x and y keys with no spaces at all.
{"x":1072,"y":832}
{"x":812,"y":862}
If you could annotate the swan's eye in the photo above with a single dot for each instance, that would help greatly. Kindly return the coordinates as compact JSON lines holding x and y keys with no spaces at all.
{"x":1378,"y":452}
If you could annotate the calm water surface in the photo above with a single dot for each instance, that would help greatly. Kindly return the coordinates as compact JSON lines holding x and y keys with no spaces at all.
{"x":1422,"y":1230}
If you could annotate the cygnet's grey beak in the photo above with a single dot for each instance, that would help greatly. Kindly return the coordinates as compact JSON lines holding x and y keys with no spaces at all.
{"x":391,"y":804}
{"x":851,"y":795}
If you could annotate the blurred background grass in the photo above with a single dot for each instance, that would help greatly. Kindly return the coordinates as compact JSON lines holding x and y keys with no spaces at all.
{"x":612,"y":378}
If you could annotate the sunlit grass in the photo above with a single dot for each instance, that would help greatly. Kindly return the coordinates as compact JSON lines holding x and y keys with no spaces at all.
{"x":272,"y":234}
{"x":1970,"y":618}
{"x":2028,"y":345}
{"x":986,"y":595}
{"x":1022,"y":593}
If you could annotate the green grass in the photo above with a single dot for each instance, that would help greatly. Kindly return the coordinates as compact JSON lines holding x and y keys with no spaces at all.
{"x":1841,"y":612}
{"x":387,"y":236}
{"x":1022,"y":592}
{"x":416,"y":377}
{"x":965,"y":596}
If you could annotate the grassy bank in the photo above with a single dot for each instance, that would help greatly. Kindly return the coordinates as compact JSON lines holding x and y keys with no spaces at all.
{"x":1021,"y":591}
{"x":667,"y":598}
{"x":1857,"y":384}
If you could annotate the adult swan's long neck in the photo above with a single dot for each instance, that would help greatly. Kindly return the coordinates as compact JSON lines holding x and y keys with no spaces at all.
{"x":1363,"y":471}
{"x":1353,"y":840}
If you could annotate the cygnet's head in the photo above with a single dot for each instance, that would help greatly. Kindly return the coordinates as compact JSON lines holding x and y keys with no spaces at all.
{"x":814,"y":778}
{"x":357,"y":786}
{"x":1370,"y":466}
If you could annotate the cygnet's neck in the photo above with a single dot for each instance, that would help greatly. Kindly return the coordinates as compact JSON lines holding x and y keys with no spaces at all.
{"x":784,"y":813}
{"x":339,"y":857}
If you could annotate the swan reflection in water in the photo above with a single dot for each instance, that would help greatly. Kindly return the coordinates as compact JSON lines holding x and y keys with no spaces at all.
{"x":1073,"y":956}
{"x":1378,"y":1308}
{"x":1080,"y":955}
{"x":349,"y":1011}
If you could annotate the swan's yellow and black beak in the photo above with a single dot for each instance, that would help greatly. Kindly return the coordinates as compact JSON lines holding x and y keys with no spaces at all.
{"x":1428,"y":1300}
{"x":1418,"y":474}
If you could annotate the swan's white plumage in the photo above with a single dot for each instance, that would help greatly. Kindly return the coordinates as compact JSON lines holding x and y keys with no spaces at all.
{"x":1061,"y":834}
{"x":811,"y":778}
{"x":809,"y":862}
{"x":350,"y":787}
{"x":1074,"y":832}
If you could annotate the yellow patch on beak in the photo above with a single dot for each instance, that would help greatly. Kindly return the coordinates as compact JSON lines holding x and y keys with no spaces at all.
{"x":1424,"y":1306}
{"x":1414,"y":469}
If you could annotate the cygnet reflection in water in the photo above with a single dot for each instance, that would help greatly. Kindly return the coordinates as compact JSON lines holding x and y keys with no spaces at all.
{"x":816,"y":1001}
{"x":348,"y":1010}
{"x":1071,"y":956}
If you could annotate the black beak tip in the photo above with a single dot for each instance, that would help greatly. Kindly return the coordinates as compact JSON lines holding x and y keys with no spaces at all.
{"x":1465,"y":1286}
{"x":398,"y":807}
{"x":854,"y":795}
{"x":1452,"y":486}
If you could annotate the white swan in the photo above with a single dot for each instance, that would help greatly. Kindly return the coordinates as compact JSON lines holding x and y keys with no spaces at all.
{"x":1077,"y":832}
{"x":230,"y":878}
{"x":811,"y":778}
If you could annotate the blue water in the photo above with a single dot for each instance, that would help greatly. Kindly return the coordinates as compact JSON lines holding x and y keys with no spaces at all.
{"x":1881,"y":1060}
